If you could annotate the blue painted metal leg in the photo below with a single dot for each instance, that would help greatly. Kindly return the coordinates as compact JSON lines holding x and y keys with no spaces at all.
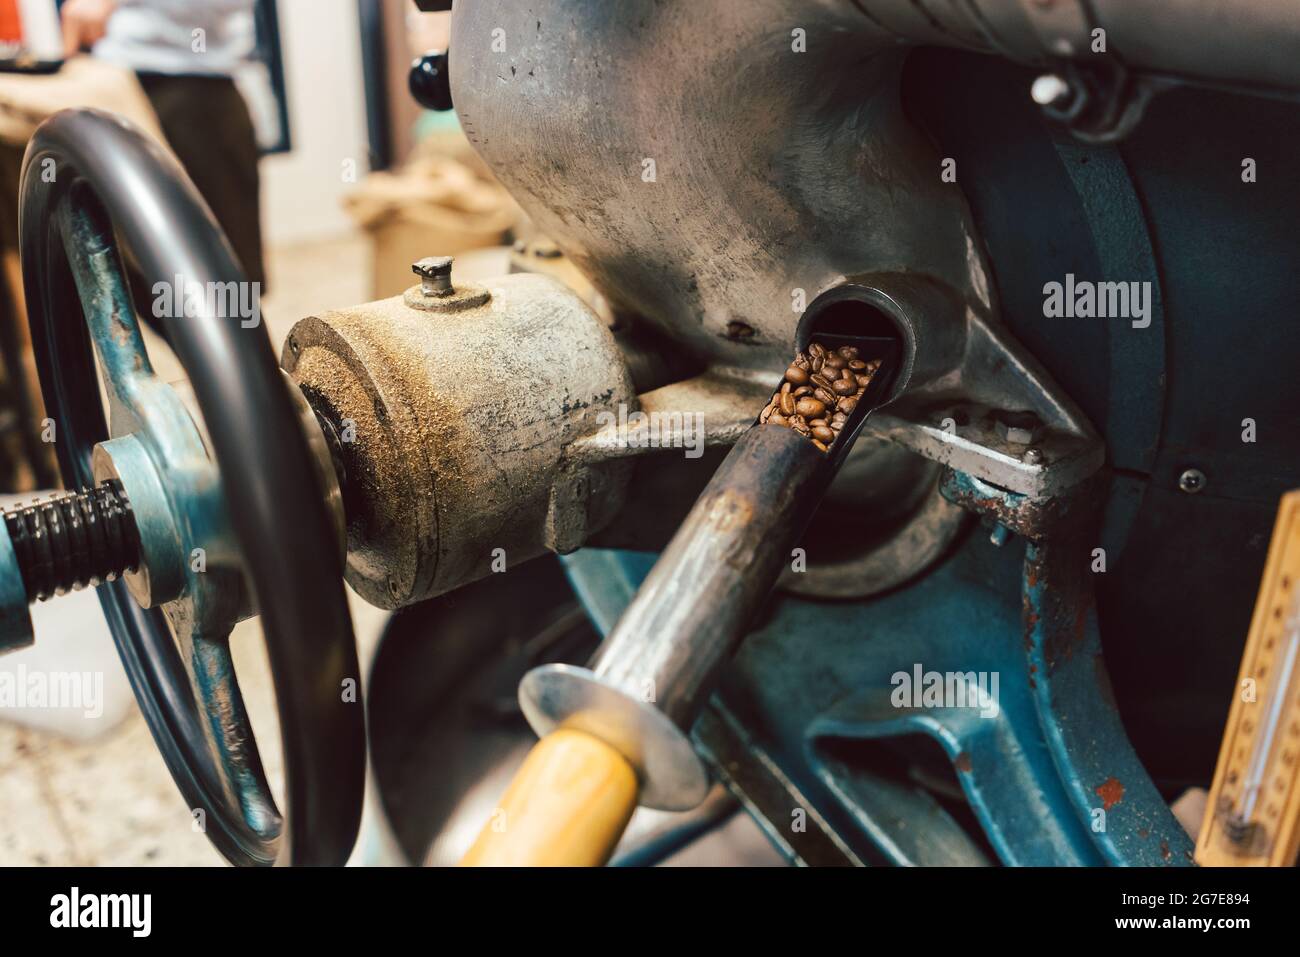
{"x":815,"y":686}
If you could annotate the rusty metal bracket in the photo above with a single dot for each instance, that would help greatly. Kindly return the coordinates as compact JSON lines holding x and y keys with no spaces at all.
{"x":1111,"y":792}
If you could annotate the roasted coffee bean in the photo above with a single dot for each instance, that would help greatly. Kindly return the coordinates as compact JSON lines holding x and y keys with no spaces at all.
{"x":810,"y":408}
{"x":819,"y":391}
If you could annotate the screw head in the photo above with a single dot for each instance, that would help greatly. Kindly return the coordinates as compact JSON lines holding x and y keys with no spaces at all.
{"x":1192,"y":481}
{"x":1032,"y":456}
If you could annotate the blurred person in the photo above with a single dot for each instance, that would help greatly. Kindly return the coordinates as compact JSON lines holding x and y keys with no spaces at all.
{"x":185,"y":53}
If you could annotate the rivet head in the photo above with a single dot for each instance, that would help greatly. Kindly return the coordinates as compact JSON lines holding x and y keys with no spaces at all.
{"x":1192,"y":481}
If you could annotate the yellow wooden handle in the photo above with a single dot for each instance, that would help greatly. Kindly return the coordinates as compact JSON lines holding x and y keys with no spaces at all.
{"x":566,"y":807}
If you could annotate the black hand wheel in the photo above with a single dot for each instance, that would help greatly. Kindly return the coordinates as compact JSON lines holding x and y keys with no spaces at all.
{"x":250,"y":497}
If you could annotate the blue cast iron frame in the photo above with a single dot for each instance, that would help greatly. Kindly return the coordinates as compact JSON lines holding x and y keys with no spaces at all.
{"x":1051,"y":778}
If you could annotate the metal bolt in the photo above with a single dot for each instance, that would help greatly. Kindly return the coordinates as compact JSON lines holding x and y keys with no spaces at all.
{"x":1192,"y":481}
{"x":1018,"y":428}
{"x":435,"y":275}
{"x":1050,"y":90}
{"x":999,"y":535}
{"x":1032,"y":456}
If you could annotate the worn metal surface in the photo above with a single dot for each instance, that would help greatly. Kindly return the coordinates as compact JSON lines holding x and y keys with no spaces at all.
{"x":156,"y":453}
{"x":698,"y":253}
{"x":885,"y":494}
{"x":1108,"y":785}
{"x":1046,"y":770}
{"x":159,"y":457}
{"x":1110,"y":790}
{"x":961,"y":373}
{"x":455,"y":429}
{"x":811,"y":701}
{"x":650,"y":677}
{"x":721,"y":563}
{"x":724,"y":280}
{"x":847,"y":184}
{"x":817,"y":712}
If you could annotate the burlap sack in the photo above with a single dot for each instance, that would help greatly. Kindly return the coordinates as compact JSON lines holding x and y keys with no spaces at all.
{"x":434,"y":206}
{"x":27,"y":99}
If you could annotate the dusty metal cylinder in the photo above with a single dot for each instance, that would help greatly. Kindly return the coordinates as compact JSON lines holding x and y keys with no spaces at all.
{"x":450,"y":429}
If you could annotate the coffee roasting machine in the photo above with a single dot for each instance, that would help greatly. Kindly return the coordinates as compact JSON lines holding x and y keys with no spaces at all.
{"x":1031,"y":236}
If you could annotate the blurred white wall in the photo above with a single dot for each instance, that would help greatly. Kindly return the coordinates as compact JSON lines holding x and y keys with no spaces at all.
{"x":301,"y":189}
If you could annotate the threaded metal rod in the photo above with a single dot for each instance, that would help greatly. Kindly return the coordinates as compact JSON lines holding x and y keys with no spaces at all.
{"x":74,"y":540}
